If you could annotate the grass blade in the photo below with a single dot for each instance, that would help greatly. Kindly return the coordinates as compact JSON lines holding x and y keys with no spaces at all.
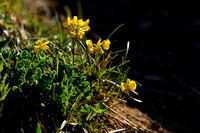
{"x":115,"y":30}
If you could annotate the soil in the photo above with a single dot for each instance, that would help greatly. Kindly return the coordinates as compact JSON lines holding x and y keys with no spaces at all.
{"x":142,"y":121}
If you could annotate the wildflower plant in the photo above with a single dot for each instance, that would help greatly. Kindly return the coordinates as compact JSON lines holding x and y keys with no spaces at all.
{"x":50,"y":84}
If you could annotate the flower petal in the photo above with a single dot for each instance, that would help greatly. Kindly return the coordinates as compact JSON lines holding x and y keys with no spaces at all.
{"x":98,"y":50}
{"x":106,"y":44}
{"x":65,"y":24}
{"x":128,"y":81}
{"x":89,"y":43}
{"x":80,"y":34}
{"x":80,"y":22}
{"x":75,"y":20}
{"x":99,"y":43}
{"x":132,"y":86}
{"x":91,"y":50}
{"x":39,"y":42}
{"x":86,"y":22}
{"x":124,"y":87}
{"x":37,"y":49}
{"x":44,"y":47}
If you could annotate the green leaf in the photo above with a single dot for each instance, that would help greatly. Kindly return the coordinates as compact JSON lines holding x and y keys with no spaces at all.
{"x":4,"y":52}
{"x":20,"y":75}
{"x":88,"y":95}
{"x":5,"y":93}
{"x":82,"y":78}
{"x":100,"y":128}
{"x":72,"y":67}
{"x":26,"y":54}
{"x":90,"y":116}
{"x":38,"y":128}
{"x":63,"y":94}
{"x":23,"y":62}
{"x":41,"y":53}
{"x":86,"y":86}
{"x":4,"y":42}
{"x":52,"y":74}
{"x":35,"y":64}
{"x":1,"y":66}
{"x":38,"y":74}
{"x":14,"y":88}
{"x":99,"y":108}
{"x":74,"y":91}
{"x":86,"y":109}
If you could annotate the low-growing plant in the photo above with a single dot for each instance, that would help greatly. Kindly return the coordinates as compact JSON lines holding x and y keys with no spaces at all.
{"x":53,"y":85}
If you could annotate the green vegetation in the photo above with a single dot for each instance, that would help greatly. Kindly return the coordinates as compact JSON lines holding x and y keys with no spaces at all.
{"x":49,"y":78}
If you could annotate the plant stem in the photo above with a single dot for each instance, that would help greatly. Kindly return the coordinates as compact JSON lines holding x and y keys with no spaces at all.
{"x":72,"y":47}
{"x":59,"y":29}
{"x":4,"y":60}
{"x":57,"y":65}
{"x":85,"y":50}
{"x":115,"y":30}
{"x":54,"y":87}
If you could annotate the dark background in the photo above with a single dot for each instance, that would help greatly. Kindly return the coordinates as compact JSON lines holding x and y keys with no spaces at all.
{"x":164,"y":53}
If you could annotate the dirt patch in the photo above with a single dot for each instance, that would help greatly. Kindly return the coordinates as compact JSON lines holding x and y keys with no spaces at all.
{"x":137,"y":120}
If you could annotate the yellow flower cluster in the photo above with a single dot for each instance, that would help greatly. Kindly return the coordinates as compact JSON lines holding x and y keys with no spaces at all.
{"x":96,"y":48}
{"x":40,"y":44}
{"x":129,"y":85}
{"x":76,"y":27}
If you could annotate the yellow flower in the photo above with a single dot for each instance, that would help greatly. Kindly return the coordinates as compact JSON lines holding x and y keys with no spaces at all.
{"x":129,"y":85}
{"x":81,"y":33}
{"x":83,"y":23}
{"x":39,"y":42}
{"x":98,"y":47}
{"x":99,"y":43}
{"x":89,"y":43}
{"x":40,"y":45}
{"x":76,"y":27}
{"x":37,"y":49}
{"x":98,"y":50}
{"x":90,"y":46}
{"x":75,"y":20}
{"x":106,"y":44}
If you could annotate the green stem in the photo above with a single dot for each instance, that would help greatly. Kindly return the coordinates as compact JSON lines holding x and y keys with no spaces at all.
{"x":54,"y":87}
{"x":75,"y":105}
{"x":57,"y":47}
{"x":57,"y":65}
{"x":4,"y":60}
{"x":80,"y":52}
{"x":72,"y":54}
{"x":115,"y":30}
{"x":85,"y":50}
{"x":29,"y":39}
{"x":59,"y":29}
